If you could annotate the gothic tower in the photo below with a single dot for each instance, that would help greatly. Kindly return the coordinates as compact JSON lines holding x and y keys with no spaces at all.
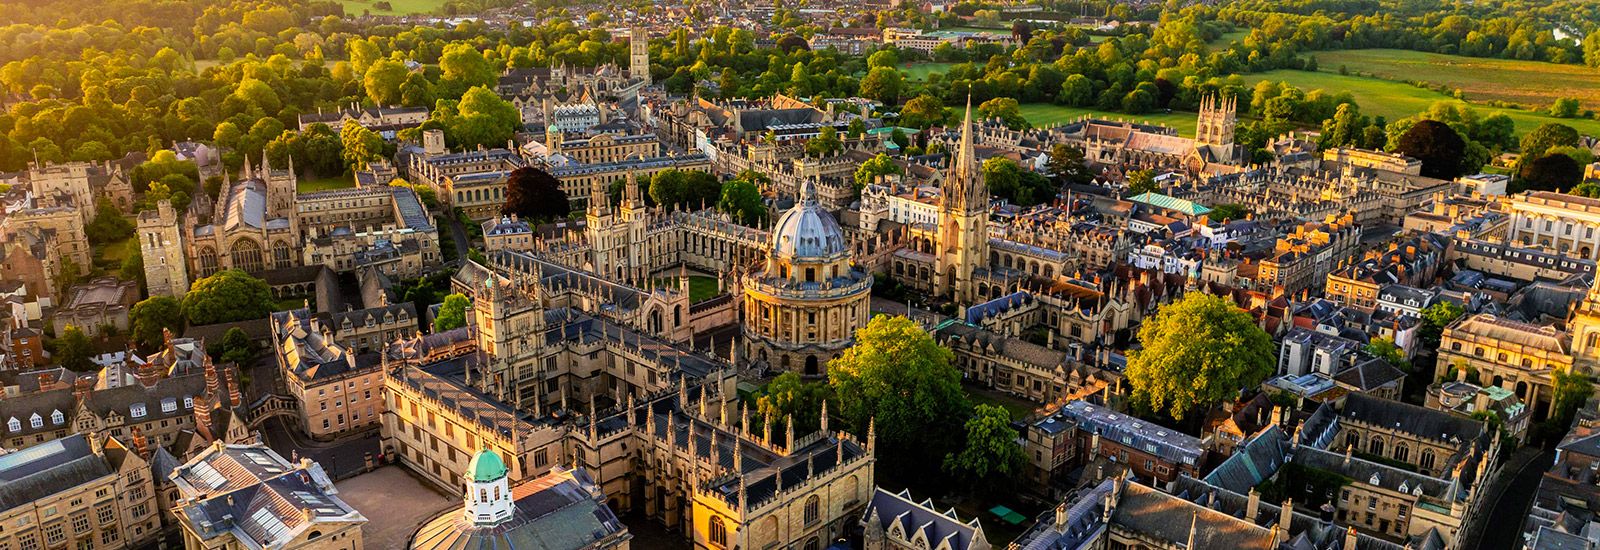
{"x":639,"y":54}
{"x":605,"y":234}
{"x":282,"y":185}
{"x":161,"y":245}
{"x":633,"y":223}
{"x":1216,"y":121}
{"x":963,"y":222}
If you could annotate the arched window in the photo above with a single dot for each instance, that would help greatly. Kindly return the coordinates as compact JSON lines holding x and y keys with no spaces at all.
{"x":1352,"y":440}
{"x":483,"y":495}
{"x":497,"y":492}
{"x":813,"y":511}
{"x":719,"y":532}
{"x":1402,"y":453}
{"x":1375,"y":447}
{"x":1427,"y":459}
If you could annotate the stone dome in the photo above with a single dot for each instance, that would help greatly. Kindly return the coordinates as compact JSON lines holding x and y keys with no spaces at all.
{"x":807,"y":231}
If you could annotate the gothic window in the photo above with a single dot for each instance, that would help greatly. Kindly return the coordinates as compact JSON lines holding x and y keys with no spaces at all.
{"x":719,"y":532}
{"x":813,"y":510}
{"x":1427,"y":459}
{"x":280,"y":254}
{"x":246,"y":255}
{"x":1402,"y":453}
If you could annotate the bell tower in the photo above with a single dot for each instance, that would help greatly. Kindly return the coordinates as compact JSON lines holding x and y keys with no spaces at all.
{"x":639,"y":54}
{"x":161,"y":245}
{"x":1218,"y":116}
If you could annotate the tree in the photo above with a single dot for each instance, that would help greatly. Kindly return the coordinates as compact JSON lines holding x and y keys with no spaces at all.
{"x":1384,"y":348}
{"x":463,"y":67}
{"x":686,"y":189}
{"x":856,"y":129}
{"x":883,"y":84}
{"x":1141,"y":182}
{"x":789,"y":398}
{"x":1196,"y":352}
{"x":1068,"y":165}
{"x":383,"y":80}
{"x":991,"y":457}
{"x":1565,"y":107}
{"x":150,"y":317}
{"x":1229,"y":211}
{"x":1437,"y":145}
{"x":922,"y":111}
{"x":1077,"y":91}
{"x":897,"y":374}
{"x":826,"y":143}
{"x":73,"y":350}
{"x":236,"y":347}
{"x":1547,"y":136}
{"x":879,"y":165}
{"x":360,"y":146}
{"x":109,"y":224}
{"x":1570,"y":391}
{"x":480,"y":118}
{"x":882,"y":58}
{"x":533,"y":194}
{"x":227,"y":296}
{"x":452,"y":313}
{"x":1005,"y":109}
{"x":1548,"y":173}
{"x":741,"y":199}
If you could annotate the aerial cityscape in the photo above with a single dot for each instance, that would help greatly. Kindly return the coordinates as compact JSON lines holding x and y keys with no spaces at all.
{"x":799,"y":275}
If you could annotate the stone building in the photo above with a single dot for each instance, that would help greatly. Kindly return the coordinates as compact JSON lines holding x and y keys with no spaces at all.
{"x":95,"y":305}
{"x":79,"y":492}
{"x":336,"y":390}
{"x":561,"y":510}
{"x":248,"y":496}
{"x":895,"y":521}
{"x":1555,"y":222}
{"x":803,"y":308}
{"x":1508,"y":354}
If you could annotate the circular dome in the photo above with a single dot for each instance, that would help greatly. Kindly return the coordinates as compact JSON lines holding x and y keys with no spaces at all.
{"x":487,"y":466}
{"x":807,"y":231}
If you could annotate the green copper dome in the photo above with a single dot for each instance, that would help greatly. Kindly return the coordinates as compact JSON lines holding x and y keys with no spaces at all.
{"x":487,"y":466}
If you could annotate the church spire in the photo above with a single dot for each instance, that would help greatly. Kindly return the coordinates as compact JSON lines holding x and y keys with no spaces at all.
{"x":964,"y":187}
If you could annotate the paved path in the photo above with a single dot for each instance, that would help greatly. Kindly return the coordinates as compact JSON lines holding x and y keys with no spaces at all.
{"x":395,"y":502}
{"x":458,"y":233}
{"x":1507,"y":501}
{"x":342,"y":458}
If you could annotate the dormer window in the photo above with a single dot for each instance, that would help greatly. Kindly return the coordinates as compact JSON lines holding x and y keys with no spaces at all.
{"x":169,"y":404}
{"x":137,"y":410}
{"x":188,"y":402}
{"x":36,"y":421}
{"x":57,"y":418}
{"x":14,"y":424}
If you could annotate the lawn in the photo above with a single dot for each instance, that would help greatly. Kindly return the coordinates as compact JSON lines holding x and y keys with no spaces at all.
{"x":1045,"y":114}
{"x":326,"y":184}
{"x":701,"y":287}
{"x":1396,"y":100}
{"x":1018,"y":407}
{"x":1228,"y":38}
{"x":920,"y":71}
{"x":1530,"y":84}
{"x":401,"y":7}
{"x":984,"y":30}
{"x":108,"y":257}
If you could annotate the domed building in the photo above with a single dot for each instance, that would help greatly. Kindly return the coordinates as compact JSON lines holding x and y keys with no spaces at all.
{"x":563,"y":510}
{"x":804,"y":307}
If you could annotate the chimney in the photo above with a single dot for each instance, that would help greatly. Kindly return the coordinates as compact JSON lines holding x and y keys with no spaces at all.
{"x":1350,"y":537}
{"x":1285,"y":519}
{"x":1252,"y":506}
{"x":1061,"y":518}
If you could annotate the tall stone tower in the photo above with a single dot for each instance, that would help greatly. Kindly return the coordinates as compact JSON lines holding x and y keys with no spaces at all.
{"x":282,"y":185}
{"x":963,"y":221}
{"x":1217,"y":118}
{"x":605,"y":235}
{"x":639,"y":54}
{"x":633,"y":216}
{"x":161,"y":244}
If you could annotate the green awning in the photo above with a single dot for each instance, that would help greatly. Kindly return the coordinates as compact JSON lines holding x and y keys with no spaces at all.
{"x":1008,"y":515}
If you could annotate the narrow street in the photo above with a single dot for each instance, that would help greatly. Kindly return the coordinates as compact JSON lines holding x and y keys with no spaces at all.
{"x":1508,"y":500}
{"x":342,"y":458}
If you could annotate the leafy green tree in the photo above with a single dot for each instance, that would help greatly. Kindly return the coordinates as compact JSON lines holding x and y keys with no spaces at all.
{"x":1571,"y":390}
{"x":991,"y":458}
{"x":1565,"y":107}
{"x":826,"y":143}
{"x":533,"y":194}
{"x":109,"y":224}
{"x":360,"y":146}
{"x":1068,"y":165}
{"x":741,"y":199}
{"x":452,"y":313}
{"x":897,"y":374}
{"x":1384,"y":348}
{"x":1006,"y":109}
{"x":1197,"y":352}
{"x":383,"y":80}
{"x":1077,"y":91}
{"x":151,"y":316}
{"x":227,"y":296}
{"x":480,"y":118}
{"x":883,"y":84}
{"x":882,"y":58}
{"x":1550,"y":172}
{"x":1141,"y":182}
{"x":1437,"y":145}
{"x":879,"y":165}
{"x":922,"y":111}
{"x":236,"y":347}
{"x":132,"y":268}
{"x":73,"y":350}
{"x":463,"y":67}
{"x":857,"y":128}
{"x":1547,"y":136}
{"x":788,"y":397}
{"x":1229,"y":211}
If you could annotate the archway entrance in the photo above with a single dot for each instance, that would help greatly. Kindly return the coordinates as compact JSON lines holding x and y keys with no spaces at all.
{"x":811,"y":365}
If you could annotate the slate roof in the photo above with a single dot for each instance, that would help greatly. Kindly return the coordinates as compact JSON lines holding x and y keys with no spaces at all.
{"x":1155,"y":439}
{"x":255,"y":495}
{"x":938,"y":527}
{"x":1369,"y":375}
{"x":1164,"y":517}
{"x":48,"y":468}
{"x":1422,"y":421}
{"x":1256,"y":460}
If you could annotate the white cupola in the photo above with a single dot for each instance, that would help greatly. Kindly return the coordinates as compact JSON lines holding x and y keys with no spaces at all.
{"x":488,"y":497}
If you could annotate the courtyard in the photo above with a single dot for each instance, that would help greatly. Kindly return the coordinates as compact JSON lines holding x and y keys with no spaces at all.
{"x":395,"y":503}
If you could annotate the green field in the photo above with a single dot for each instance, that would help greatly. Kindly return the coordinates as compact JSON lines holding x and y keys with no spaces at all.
{"x":401,"y":7}
{"x":1396,"y":100}
{"x":1228,"y":38}
{"x":701,"y":287}
{"x":1530,"y":84}
{"x":108,"y":257}
{"x":1045,"y":114}
{"x":326,"y":184}
{"x":920,"y":71}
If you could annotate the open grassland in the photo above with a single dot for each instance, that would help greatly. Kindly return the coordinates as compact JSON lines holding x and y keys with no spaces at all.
{"x":1530,"y":84}
{"x":1396,"y":100}
{"x":1228,"y":38}
{"x":401,"y":7}
{"x":1045,"y":114}
{"x":920,"y":71}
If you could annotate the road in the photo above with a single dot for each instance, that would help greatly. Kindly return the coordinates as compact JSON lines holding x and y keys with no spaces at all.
{"x":458,"y":233}
{"x":1508,"y":500}
{"x":342,"y":458}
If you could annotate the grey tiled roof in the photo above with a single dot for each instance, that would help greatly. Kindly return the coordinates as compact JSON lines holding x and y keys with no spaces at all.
{"x":48,"y":468}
